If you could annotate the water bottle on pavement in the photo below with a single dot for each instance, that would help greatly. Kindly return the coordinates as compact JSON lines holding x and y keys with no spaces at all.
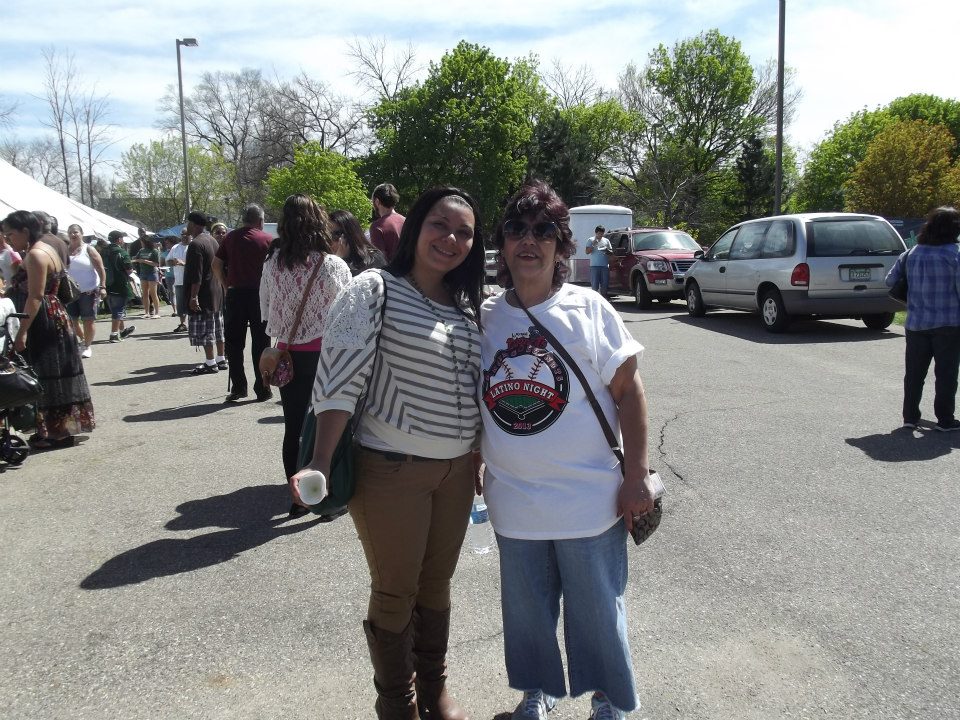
{"x":480,"y":537}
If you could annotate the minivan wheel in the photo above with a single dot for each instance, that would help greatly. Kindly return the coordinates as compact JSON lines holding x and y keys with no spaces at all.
{"x":641,"y":296}
{"x":773,"y":313}
{"x":878,"y":321}
{"x":695,"y":306}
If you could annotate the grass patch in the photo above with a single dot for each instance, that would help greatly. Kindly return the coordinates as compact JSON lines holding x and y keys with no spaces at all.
{"x":900,"y":318}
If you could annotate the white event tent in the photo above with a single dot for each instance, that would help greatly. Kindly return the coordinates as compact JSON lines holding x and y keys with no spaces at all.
{"x":19,"y":191}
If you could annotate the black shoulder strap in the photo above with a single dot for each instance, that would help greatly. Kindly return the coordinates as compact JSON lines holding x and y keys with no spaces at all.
{"x":597,"y":410}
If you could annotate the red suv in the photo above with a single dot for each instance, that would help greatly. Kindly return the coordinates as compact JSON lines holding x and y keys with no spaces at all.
{"x":651,"y":263}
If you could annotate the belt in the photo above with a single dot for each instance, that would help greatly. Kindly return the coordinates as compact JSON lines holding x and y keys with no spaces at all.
{"x":400,"y":457}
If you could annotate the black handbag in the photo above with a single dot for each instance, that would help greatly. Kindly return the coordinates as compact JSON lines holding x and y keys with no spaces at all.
{"x":899,"y":289}
{"x":18,"y":383}
{"x":341,"y":482}
{"x":643,"y":525}
{"x":68,"y":290}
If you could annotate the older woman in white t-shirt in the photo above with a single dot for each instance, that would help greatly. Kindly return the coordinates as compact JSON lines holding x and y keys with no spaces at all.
{"x":557,"y":499}
{"x":86,"y":268}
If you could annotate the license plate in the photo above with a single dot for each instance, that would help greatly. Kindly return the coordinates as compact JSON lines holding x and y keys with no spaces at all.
{"x":859,"y":273}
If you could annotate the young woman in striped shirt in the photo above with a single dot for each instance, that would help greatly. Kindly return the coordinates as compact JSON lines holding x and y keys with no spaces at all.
{"x":416,"y":440}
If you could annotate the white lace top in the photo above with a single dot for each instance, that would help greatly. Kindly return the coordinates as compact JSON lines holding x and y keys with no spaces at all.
{"x":282,"y":288}
{"x":422,"y":382}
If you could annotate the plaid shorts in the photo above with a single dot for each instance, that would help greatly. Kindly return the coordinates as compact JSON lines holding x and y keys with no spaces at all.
{"x":205,"y":328}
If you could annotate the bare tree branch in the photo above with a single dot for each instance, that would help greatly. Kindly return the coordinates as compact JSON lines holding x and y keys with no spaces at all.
{"x":382,"y":77}
{"x":59,"y":83}
{"x":571,"y":86}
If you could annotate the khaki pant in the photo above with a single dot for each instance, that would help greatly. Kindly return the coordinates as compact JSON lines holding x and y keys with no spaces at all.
{"x":411,"y":517}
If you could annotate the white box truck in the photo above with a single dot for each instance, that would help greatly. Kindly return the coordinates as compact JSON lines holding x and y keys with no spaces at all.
{"x":583,"y":221}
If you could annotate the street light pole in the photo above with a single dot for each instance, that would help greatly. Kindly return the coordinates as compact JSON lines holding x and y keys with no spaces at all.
{"x":188,"y":42}
{"x":778,"y":174}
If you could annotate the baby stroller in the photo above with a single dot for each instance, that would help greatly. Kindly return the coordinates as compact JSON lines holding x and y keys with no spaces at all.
{"x":19,"y":390}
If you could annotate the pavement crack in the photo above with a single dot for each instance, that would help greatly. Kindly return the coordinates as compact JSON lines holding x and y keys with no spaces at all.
{"x":661,"y":447}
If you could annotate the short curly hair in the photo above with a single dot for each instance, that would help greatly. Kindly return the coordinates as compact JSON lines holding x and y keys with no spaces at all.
{"x":533,"y":198}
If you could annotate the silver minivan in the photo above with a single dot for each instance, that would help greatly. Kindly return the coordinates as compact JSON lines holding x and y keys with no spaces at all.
{"x":826,"y":265}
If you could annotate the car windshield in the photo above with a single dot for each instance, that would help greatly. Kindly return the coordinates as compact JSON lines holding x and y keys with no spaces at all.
{"x":665,"y":241}
{"x":860,"y":236}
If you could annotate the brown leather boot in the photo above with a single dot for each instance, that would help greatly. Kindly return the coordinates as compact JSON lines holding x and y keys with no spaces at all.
{"x":390,"y":654}
{"x":431,"y":630}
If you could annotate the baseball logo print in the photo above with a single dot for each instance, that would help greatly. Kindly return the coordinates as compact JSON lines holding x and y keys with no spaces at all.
{"x":527,"y":387}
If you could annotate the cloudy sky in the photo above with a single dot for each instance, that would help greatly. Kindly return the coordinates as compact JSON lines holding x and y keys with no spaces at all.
{"x":848,"y":54}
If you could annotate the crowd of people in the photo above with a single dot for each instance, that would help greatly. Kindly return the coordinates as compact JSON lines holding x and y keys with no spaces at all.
{"x":450,"y":395}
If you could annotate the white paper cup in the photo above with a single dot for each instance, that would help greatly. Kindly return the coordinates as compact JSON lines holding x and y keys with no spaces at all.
{"x":313,"y":487}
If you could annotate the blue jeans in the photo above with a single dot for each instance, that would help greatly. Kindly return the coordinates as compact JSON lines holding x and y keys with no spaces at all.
{"x":600,"y":278}
{"x":591,"y":576}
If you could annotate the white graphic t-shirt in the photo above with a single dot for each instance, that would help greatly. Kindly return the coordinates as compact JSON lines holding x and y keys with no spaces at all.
{"x":550,"y":472}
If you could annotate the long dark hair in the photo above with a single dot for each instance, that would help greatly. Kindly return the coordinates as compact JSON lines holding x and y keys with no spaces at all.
{"x":25,"y":220}
{"x":533,"y":198}
{"x":465,"y":281}
{"x":942,"y":227}
{"x":303,"y":228}
{"x":362,"y":254}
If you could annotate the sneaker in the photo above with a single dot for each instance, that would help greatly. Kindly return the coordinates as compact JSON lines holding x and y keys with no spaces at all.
{"x":602,"y":709}
{"x":87,"y":352}
{"x":265,"y":395}
{"x":235,"y":396}
{"x":534,"y":706}
{"x":909,"y":425}
{"x":127,"y":331}
{"x":951,"y":426}
{"x":114,"y":337}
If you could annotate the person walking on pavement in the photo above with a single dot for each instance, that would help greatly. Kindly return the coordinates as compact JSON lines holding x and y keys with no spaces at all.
{"x":117,"y":264}
{"x":932,"y":327}
{"x":385,"y":230}
{"x":86,"y":268}
{"x":176,"y":259}
{"x":238,"y":265}
{"x":204,"y":295}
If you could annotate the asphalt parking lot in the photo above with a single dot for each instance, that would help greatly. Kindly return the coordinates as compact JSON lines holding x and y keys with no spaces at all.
{"x":808,"y":564}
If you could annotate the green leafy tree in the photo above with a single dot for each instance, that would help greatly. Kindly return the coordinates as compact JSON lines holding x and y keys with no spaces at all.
{"x":832,"y":161}
{"x":325,"y":175}
{"x":693,"y":106}
{"x":907,"y":171}
{"x":151,"y":182}
{"x":568,"y":147}
{"x":467,"y":124}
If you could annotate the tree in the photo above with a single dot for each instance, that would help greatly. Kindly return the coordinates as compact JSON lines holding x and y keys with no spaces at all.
{"x":755,"y":180}
{"x":568,"y":147}
{"x":833,"y":160}
{"x":382,"y":77}
{"x":59,"y":85}
{"x":907,"y":170}
{"x":468,"y":124}
{"x":571,"y":87}
{"x":226,"y":114}
{"x":325,"y":175}
{"x":151,"y":181}
{"x":692,"y":107}
{"x":307,"y":110}
{"x":7,"y":111}
{"x":37,"y":158}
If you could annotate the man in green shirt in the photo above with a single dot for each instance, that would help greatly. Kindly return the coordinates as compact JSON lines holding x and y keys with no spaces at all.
{"x":116,"y":261}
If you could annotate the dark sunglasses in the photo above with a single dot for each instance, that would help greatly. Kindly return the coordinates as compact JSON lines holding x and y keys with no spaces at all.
{"x":543,"y":231}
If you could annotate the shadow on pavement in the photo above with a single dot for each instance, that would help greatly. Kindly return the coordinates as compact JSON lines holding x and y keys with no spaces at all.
{"x":150,"y":374}
{"x":242,"y":512}
{"x":271,"y":420}
{"x":903,"y":445}
{"x":178,"y":413}
{"x":746,"y":326}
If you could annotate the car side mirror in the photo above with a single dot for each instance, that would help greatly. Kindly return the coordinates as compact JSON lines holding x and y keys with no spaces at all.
{"x":698,"y":255}
{"x":620,"y":252}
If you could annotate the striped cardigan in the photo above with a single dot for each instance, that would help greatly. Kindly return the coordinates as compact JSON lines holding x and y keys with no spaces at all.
{"x":416,"y":403}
